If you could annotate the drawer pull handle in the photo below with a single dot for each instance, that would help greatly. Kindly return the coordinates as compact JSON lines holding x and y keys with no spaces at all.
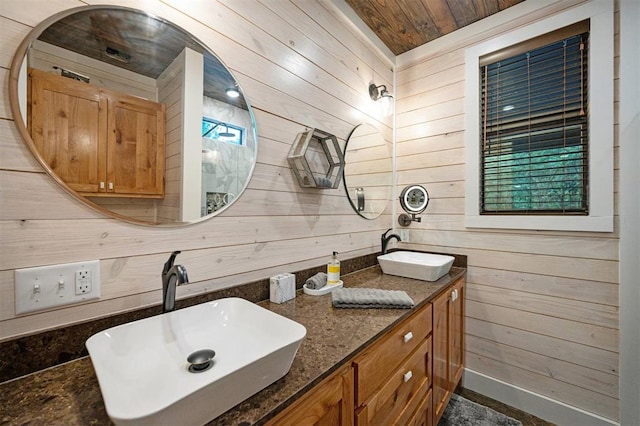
{"x":408,"y":337}
{"x":407,"y":376}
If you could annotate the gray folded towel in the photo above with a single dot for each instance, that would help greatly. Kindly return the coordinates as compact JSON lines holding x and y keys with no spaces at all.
{"x":323,"y":182}
{"x":317,"y":281}
{"x":371,"y":298}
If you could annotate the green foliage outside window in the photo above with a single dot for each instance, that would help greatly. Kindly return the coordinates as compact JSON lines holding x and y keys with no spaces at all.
{"x":522,"y":181}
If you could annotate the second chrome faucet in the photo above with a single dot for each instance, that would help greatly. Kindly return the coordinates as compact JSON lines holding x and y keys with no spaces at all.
{"x":384,"y":240}
{"x":172,"y":276}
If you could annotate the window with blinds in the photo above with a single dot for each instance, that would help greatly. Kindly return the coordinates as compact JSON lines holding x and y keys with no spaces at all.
{"x":534,"y":126}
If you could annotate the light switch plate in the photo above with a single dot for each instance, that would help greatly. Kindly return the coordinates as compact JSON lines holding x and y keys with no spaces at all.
{"x":46,"y":287}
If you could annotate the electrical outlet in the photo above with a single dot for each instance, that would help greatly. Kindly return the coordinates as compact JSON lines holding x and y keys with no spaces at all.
{"x":404,"y":235}
{"x":46,"y":287}
{"x":83,"y":281}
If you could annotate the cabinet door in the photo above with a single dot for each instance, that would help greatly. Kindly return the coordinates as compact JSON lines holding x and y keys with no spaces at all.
{"x":456,"y":335}
{"x":68,"y":124}
{"x":441,"y":392}
{"x":135,"y":150}
{"x":328,"y":404}
{"x":448,"y":345}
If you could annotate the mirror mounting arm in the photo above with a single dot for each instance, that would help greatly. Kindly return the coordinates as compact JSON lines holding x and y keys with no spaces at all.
{"x":405,"y":220}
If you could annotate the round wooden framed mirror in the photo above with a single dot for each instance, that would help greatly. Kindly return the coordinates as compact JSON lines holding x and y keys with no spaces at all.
{"x":133,"y":116}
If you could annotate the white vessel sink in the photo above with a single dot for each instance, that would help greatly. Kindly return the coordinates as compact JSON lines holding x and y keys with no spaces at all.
{"x":420,"y":266}
{"x":144,"y":374}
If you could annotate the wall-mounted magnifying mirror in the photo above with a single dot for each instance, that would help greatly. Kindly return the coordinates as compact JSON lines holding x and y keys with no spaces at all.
{"x":414,"y":199}
{"x":133,"y":115}
{"x":368,"y":171}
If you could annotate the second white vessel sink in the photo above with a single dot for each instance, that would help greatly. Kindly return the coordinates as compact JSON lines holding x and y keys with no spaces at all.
{"x":420,"y":266}
{"x":145,"y":377}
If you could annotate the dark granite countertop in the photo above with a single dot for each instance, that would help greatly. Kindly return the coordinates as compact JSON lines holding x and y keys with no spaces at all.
{"x":69,"y":394}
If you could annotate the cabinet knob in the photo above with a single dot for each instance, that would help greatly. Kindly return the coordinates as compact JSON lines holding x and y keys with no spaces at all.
{"x":407,"y":376}
{"x":407,"y":337}
{"x":454,"y":295}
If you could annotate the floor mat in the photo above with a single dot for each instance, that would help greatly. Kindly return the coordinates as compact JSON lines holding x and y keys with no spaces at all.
{"x":462,"y":412}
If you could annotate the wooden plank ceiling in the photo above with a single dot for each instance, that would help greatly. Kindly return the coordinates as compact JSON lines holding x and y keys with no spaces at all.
{"x":405,"y":24}
{"x":137,"y":42}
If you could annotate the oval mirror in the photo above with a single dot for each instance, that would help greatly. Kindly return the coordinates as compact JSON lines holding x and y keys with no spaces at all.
{"x":133,"y":115}
{"x":368,"y":171}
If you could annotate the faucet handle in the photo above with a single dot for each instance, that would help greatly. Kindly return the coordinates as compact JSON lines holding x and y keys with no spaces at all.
{"x":183,"y":278}
{"x":169,"y":263}
{"x":386,"y":232}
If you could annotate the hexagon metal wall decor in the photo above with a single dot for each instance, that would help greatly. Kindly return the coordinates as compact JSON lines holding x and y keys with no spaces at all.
{"x":316,"y":168}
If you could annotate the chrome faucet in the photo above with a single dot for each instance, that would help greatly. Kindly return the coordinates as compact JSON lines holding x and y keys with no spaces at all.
{"x":384,"y":240}
{"x":172,"y":276}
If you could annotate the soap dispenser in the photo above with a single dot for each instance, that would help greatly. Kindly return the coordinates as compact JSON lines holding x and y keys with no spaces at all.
{"x":333,"y":270}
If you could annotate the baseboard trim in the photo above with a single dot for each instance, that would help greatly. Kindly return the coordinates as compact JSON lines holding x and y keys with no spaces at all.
{"x":532,"y":403}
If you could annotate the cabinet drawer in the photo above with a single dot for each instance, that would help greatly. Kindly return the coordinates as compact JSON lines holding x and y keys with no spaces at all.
{"x":399,"y":397}
{"x":423,"y":415}
{"x":380,"y":360}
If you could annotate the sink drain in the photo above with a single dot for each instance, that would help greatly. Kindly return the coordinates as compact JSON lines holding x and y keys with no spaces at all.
{"x":201,"y":360}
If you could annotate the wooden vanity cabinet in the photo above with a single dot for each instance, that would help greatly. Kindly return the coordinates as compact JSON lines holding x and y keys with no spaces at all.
{"x":448,"y":345}
{"x":100,"y":143}
{"x":404,"y":378}
{"x":328,"y":404}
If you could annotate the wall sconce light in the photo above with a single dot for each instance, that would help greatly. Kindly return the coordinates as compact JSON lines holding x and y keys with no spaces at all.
{"x":382,"y":96}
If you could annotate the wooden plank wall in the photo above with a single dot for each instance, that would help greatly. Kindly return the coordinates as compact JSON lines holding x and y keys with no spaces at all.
{"x":170,"y":84}
{"x":45,"y":56}
{"x":542,"y":307}
{"x":300,"y":64}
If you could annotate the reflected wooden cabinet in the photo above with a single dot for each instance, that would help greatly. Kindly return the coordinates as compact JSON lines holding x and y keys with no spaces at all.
{"x":448,"y":345}
{"x":328,"y":404}
{"x":99,"y":142}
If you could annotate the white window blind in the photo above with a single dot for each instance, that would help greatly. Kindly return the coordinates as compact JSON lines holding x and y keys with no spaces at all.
{"x":534,"y":126}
